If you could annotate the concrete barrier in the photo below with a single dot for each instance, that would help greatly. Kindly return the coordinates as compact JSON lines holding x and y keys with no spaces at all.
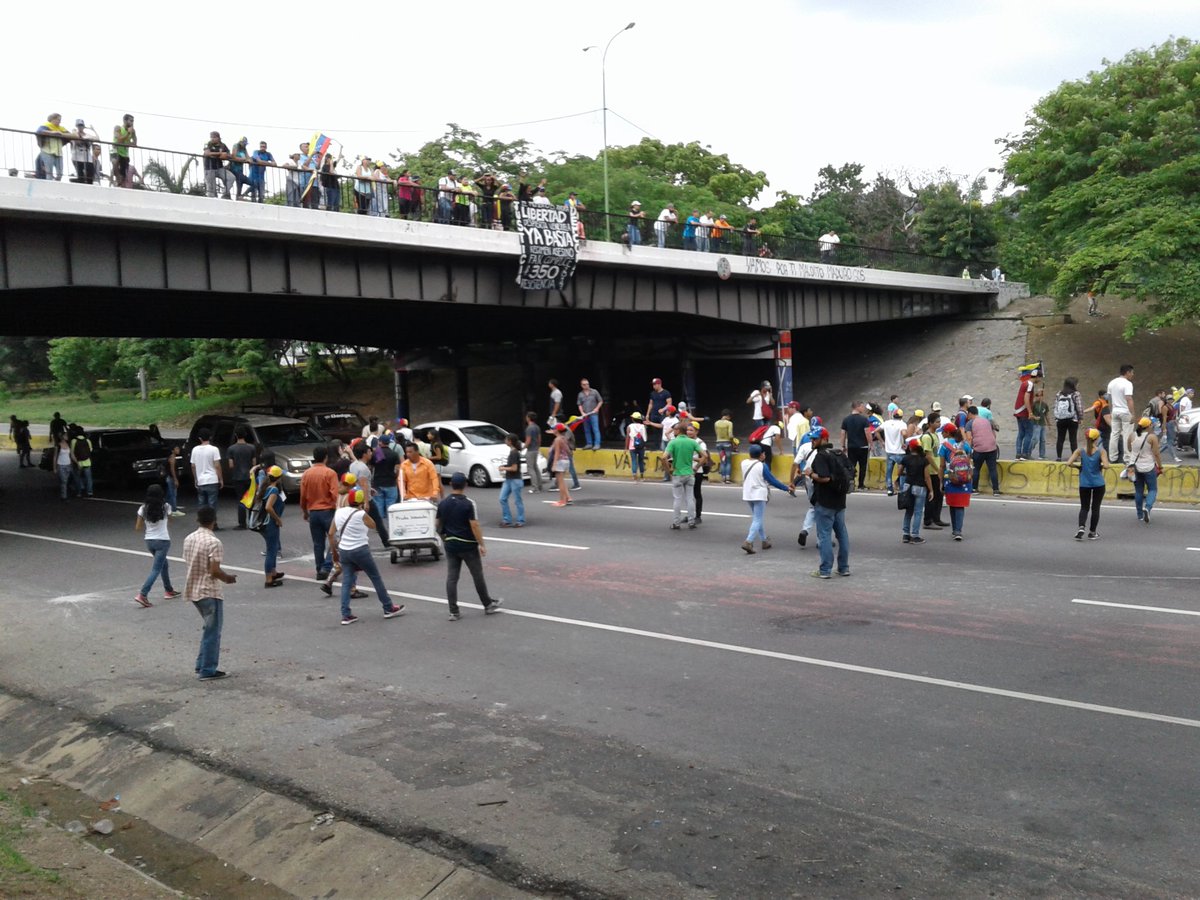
{"x":1030,"y":478}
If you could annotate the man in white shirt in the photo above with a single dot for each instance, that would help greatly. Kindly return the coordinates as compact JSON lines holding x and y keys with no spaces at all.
{"x":663,"y":223}
{"x":1185,"y":402}
{"x":1120,"y":390}
{"x":894,"y":432}
{"x":703,"y":230}
{"x":447,"y":188}
{"x":797,"y":423}
{"x":828,"y":245}
{"x":206,"y":471}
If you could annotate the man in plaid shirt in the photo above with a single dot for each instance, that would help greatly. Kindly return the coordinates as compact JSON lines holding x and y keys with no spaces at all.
{"x":203,"y":553}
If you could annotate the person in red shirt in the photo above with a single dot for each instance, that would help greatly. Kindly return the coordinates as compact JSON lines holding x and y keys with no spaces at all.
{"x":318,"y":500}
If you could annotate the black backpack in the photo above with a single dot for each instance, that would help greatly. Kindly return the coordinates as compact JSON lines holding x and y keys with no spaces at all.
{"x":841,"y":471}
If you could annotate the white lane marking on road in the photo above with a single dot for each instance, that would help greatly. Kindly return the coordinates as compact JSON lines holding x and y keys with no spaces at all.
{"x":537,"y":543}
{"x":662,"y":509}
{"x":748,"y":651}
{"x":1194,"y":548}
{"x":111,"y":500}
{"x":1161,"y":609}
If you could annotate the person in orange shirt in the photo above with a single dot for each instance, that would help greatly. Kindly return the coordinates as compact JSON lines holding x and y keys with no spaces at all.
{"x":318,"y":500}
{"x":419,"y":479}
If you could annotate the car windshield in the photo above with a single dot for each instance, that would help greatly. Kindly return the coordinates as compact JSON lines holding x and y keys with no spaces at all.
{"x":484,"y":435}
{"x":131,"y":440}
{"x":278,"y":435}
{"x":341,"y":421}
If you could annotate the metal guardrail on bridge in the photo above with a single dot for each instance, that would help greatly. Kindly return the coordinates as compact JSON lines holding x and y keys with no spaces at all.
{"x":93,"y":162}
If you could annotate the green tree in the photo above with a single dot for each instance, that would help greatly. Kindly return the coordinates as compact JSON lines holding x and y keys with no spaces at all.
{"x":158,"y":176}
{"x":24,"y":359}
{"x":80,"y":364}
{"x":1108,"y":171}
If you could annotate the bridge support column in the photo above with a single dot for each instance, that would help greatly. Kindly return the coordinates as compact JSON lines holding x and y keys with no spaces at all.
{"x":400,"y":386}
{"x":462,"y":384}
{"x":528,"y":387}
{"x":783,"y":369}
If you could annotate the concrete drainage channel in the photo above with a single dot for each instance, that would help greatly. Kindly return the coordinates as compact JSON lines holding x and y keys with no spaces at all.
{"x":205,"y":833}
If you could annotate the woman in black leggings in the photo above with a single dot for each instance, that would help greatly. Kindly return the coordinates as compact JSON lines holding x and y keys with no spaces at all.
{"x":1091,"y":462}
{"x":1068,"y":427}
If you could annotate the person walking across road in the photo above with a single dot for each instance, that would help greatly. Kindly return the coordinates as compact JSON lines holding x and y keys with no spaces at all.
{"x":757,"y":482}
{"x":152,"y":516}
{"x":203,"y":554}
{"x":349,"y":536}
{"x":724,"y":429}
{"x":985,"y":450}
{"x":64,"y":464}
{"x":272,"y":503}
{"x":240,"y":459}
{"x":171,"y":479}
{"x":206,"y":472}
{"x":560,"y":462}
{"x":533,"y":452}
{"x":458,"y":525}
{"x":701,"y":464}
{"x":1145,"y":466}
{"x":318,"y":500}
{"x":679,"y":459}
{"x":856,"y":442}
{"x":1092,"y":461}
{"x":831,"y":484}
{"x":635,"y":444}
{"x":915,"y":481}
{"x":1068,"y":411}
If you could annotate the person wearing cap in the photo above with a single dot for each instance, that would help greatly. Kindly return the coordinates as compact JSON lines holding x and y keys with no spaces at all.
{"x":757,"y":482}
{"x":958,"y":496}
{"x":760,"y":401}
{"x":720,"y":234}
{"x":347,"y":484}
{"x":701,"y":465}
{"x":1145,"y":465}
{"x":51,"y":135}
{"x":349,"y":536}
{"x":634,"y":229}
{"x":418,"y":477}
{"x":404,"y":433}
{"x":1185,"y":402}
{"x":895,"y":433}
{"x":464,"y":201}
{"x":573,"y":425}
{"x":272,"y":504}
{"x":662,"y":225}
{"x":318,"y":500}
{"x":447,"y":190}
{"x":984,"y":449}
{"x":561,"y":463}
{"x":829,"y":508}
{"x":914,"y":478}
{"x":802,"y":460}
{"x":82,"y":142}
{"x":1091,"y":460}
{"x":660,"y":399}
{"x":666,"y":426}
{"x":458,"y":525}
{"x":589,"y":403}
{"x":239,"y":159}
{"x":384,"y":480}
{"x":380,"y":179}
{"x":635,"y":446}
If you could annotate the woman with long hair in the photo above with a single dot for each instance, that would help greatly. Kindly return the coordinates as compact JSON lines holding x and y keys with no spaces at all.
{"x":1091,"y":460}
{"x":1145,"y":466}
{"x":1068,"y":409}
{"x":152,"y":516}
{"x":171,"y":479}
{"x":272,"y":502}
{"x":957,"y":494}
{"x":560,"y":462}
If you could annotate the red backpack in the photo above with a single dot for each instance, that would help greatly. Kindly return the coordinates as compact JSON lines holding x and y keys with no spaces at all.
{"x":757,"y":434}
{"x":960,"y":467}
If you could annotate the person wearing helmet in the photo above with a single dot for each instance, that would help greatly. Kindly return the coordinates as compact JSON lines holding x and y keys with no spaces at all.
{"x":273,"y":506}
{"x":1091,"y":460}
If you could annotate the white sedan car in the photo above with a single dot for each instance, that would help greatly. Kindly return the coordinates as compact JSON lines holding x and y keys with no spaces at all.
{"x":477,"y":449}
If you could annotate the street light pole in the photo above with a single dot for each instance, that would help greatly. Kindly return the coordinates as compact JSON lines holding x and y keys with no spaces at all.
{"x":604,"y":119}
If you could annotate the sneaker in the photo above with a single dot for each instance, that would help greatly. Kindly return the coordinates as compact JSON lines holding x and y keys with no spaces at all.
{"x":821,"y":575}
{"x":1092,"y":536}
{"x":748,"y":547}
{"x":1146,"y":517}
{"x":691,"y":526}
{"x":170,"y":595}
{"x":1079,"y":535}
{"x":891,"y":492}
{"x":958,"y":537}
{"x":942,"y":524}
{"x":349,"y":620}
{"x":394,"y":611}
{"x":577,"y":487}
{"x":766,"y":545}
{"x":995,"y":493}
{"x":454,"y":617}
{"x":674,"y":526}
{"x":356,"y":594}
{"x":213,"y":677}
{"x":917,"y":540}
{"x":845,"y":574}
{"x":506,"y":524}
{"x":178,"y":514}
{"x":493,"y":607}
{"x":141,"y":600}
{"x":932,"y":525}
{"x":906,"y":539}
{"x":802,"y":538}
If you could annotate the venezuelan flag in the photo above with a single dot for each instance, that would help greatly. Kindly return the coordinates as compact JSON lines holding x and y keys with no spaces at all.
{"x":1031,"y":370}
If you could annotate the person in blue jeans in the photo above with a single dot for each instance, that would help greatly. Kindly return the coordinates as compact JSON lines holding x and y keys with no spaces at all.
{"x":1091,"y":460}
{"x":273,"y":504}
{"x":512,"y":484}
{"x":634,"y":229}
{"x":757,"y":482}
{"x":152,"y":516}
{"x":1142,"y":456}
{"x":829,"y":507}
{"x":349,"y":535}
{"x":914,"y":478}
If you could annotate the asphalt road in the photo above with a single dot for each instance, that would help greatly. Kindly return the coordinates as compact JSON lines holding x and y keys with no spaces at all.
{"x":664,"y":715}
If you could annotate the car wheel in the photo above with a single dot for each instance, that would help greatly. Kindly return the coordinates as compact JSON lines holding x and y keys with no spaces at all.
{"x":479,"y":477}
{"x":395,"y":557}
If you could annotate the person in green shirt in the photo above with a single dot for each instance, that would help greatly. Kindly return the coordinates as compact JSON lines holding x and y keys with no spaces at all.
{"x":677,"y":457}
{"x":124,"y":137}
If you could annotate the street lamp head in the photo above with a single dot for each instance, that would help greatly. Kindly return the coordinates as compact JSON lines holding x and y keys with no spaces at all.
{"x":630,"y":25}
{"x":590,"y":47}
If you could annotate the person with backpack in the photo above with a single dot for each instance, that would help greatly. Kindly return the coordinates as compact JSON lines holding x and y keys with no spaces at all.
{"x":1145,"y":465}
{"x":957,"y":471}
{"x":635,"y":444}
{"x":1068,"y":410}
{"x":933,"y":503}
{"x":1170,"y":426}
{"x":82,"y":448}
{"x":831,"y":483}
{"x":915,"y":482}
{"x":757,"y":482}
{"x":1091,"y":462}
{"x":272,"y":504}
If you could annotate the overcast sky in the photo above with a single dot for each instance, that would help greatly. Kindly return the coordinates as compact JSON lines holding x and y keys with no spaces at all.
{"x":786,"y":87}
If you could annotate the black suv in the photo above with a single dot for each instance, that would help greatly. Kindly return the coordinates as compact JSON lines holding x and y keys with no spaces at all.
{"x":124,"y":456}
